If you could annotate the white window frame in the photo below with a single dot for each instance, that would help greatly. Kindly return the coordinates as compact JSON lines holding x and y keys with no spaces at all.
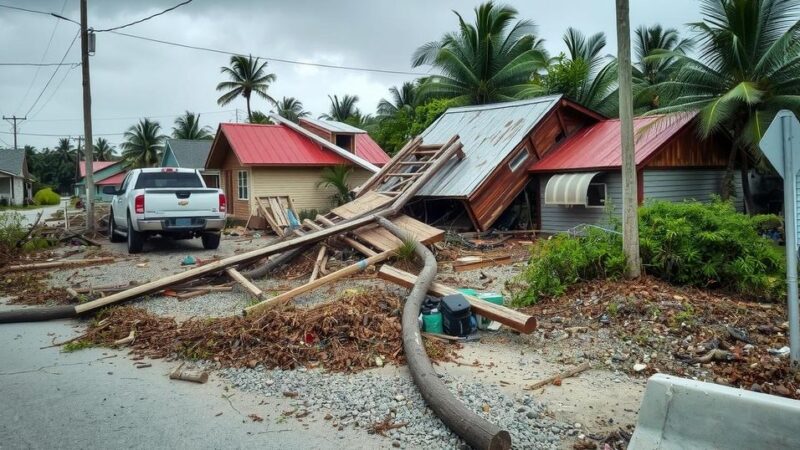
{"x":605,"y":195}
{"x":519,"y":159}
{"x":243,"y":187}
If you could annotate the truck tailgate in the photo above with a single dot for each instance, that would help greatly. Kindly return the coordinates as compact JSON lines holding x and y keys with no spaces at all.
{"x":180,"y":202}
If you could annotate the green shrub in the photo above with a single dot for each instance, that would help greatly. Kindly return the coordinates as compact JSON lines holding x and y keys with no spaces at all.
{"x":563,"y":260}
{"x":46,"y":196}
{"x":11,"y":231}
{"x":711,"y":245}
{"x":3,"y":202}
{"x":707,"y":245}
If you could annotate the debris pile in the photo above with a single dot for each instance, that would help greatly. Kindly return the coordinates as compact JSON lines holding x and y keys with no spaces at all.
{"x":650,"y":326}
{"x":349,"y":334}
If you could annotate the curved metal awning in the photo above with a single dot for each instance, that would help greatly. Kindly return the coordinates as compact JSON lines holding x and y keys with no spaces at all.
{"x":568,"y":188}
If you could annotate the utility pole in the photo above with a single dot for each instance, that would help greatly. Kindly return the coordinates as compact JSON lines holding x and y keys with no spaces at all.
{"x":630,"y":201}
{"x":87,"y":119}
{"x":78,"y":149}
{"x":13,"y":121}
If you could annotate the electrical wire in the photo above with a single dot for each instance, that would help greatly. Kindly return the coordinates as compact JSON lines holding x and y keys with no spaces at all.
{"x":38,"y":65}
{"x":53,"y":75}
{"x":281,"y":60}
{"x":60,"y":134}
{"x":53,"y":93}
{"x":149,"y":116}
{"x":38,"y":68}
{"x":146,"y":18}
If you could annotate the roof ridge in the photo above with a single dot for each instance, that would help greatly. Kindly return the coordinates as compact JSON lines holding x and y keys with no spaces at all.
{"x":515,"y":103}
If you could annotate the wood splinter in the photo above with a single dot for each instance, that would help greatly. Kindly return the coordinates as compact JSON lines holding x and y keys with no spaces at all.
{"x":565,"y":374}
{"x":193,"y":375}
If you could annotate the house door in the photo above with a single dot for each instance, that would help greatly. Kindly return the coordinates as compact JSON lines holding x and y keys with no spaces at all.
{"x":229,"y":193}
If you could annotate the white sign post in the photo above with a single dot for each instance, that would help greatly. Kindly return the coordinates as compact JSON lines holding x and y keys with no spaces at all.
{"x":781,"y":146}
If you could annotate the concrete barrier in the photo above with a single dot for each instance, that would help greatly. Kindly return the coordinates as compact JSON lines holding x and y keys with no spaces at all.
{"x":678,"y":413}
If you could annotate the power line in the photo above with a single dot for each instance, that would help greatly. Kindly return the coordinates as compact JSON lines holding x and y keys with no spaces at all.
{"x":38,"y":65}
{"x":60,"y":134}
{"x":53,"y":75}
{"x":146,"y":18}
{"x":149,"y":116}
{"x":282,"y":60}
{"x":38,"y":69}
{"x":25,"y":9}
{"x":54,"y":91}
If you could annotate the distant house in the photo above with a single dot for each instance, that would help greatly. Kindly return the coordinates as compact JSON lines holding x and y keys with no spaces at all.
{"x":287,"y":159}
{"x":580,"y":181}
{"x":190,"y":154}
{"x":500,"y":142}
{"x":15,"y":181}
{"x":105,"y":173}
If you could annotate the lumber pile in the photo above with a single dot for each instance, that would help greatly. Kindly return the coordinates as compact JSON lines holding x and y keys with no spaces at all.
{"x":278,"y":212}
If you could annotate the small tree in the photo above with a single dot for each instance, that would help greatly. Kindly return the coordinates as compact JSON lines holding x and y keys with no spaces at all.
{"x":337,"y":177}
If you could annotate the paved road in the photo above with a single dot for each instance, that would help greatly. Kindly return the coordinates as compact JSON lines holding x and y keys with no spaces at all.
{"x":29,"y":215}
{"x":95,"y":398}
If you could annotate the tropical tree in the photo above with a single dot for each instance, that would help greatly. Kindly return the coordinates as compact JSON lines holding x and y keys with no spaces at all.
{"x":584,"y":74}
{"x":143,"y":144}
{"x":745,"y":71}
{"x":343,"y":109}
{"x":188,"y":126}
{"x":260,"y":118}
{"x":490,"y":60}
{"x":246,"y":76}
{"x":403,"y":98}
{"x":291,"y":108}
{"x":650,"y":70}
{"x":337,"y":177}
{"x":103,"y":151}
{"x":66,"y":153}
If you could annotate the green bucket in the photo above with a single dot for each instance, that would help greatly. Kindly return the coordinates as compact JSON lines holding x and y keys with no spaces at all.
{"x":432,"y":322}
{"x":491,"y":297}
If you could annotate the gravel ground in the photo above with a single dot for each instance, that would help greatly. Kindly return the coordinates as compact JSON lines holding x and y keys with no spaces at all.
{"x":363,"y":399}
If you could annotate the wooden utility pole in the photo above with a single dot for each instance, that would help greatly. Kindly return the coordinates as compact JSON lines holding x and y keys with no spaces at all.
{"x":87,"y":119}
{"x":630,"y":201}
{"x":13,"y":121}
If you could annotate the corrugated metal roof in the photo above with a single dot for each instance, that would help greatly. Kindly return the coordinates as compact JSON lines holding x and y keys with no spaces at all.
{"x":96,"y":166}
{"x":489,"y":133}
{"x":265,"y":145}
{"x":11,"y":161}
{"x":368,"y":149}
{"x":600,"y":146}
{"x":190,"y":153}
{"x":332,"y":125}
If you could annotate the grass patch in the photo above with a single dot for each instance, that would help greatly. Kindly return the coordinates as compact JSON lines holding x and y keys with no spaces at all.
{"x":74,"y":346}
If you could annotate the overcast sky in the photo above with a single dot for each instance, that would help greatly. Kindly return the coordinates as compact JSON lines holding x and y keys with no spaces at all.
{"x":132,"y":78}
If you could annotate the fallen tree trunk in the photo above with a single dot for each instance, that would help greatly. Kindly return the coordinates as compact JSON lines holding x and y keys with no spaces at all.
{"x":57,"y":264}
{"x":514,"y":319}
{"x":475,"y":430}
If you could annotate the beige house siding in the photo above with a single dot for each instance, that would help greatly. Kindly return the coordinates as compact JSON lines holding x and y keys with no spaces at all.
{"x":300,"y":183}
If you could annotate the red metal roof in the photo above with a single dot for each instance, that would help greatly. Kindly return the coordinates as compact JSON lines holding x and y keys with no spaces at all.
{"x":96,"y":165}
{"x":112,"y":180}
{"x":264,"y":145}
{"x":600,"y":146}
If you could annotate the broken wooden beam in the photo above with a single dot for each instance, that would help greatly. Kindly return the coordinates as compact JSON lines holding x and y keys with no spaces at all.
{"x":514,"y":319}
{"x":341,"y":273}
{"x":57,"y":264}
{"x":479,"y":262}
{"x":318,"y":263}
{"x":245,"y":283}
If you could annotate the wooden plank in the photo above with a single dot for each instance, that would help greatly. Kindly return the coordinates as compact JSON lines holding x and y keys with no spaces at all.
{"x":247,"y":257}
{"x":349,"y":241}
{"x":318,"y":263}
{"x":477,"y":262}
{"x":507,"y":316}
{"x":382,"y":239}
{"x":268,"y":217}
{"x":57,"y":264}
{"x":373,"y":180}
{"x":249,"y":286}
{"x":368,"y":202}
{"x":277,"y":212}
{"x":341,"y":273}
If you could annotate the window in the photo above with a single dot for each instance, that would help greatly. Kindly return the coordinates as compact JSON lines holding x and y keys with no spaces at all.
{"x":345,"y":141}
{"x":244,"y":193}
{"x":518,"y":160}
{"x":596,"y":195}
{"x":168,"y":180}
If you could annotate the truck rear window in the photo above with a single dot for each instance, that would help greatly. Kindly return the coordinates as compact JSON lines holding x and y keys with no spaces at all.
{"x":168,"y":180}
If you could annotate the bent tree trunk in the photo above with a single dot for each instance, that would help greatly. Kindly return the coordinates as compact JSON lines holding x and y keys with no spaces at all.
{"x":749,"y":205}
{"x":727,"y":180}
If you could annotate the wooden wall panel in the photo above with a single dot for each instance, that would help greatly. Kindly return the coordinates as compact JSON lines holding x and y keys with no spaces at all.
{"x":688,"y":150}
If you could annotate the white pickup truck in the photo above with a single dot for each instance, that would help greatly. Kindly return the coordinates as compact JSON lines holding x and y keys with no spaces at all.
{"x":173,"y":203}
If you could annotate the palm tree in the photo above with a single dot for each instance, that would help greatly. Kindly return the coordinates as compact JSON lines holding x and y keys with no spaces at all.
{"x":247,"y":75}
{"x":488,"y":61}
{"x":745,"y":71}
{"x":337,"y":177}
{"x":188,"y":126}
{"x":649,"y":70}
{"x":143,"y":144}
{"x":584,"y":74}
{"x":403,"y":98}
{"x":103,"y":151}
{"x":342,"y":109}
{"x":66,"y":154}
{"x":291,"y":108}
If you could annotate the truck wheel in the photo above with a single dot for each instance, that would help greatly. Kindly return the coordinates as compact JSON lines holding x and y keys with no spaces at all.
{"x":210,"y":240}
{"x":135,"y":239}
{"x":112,"y":229}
